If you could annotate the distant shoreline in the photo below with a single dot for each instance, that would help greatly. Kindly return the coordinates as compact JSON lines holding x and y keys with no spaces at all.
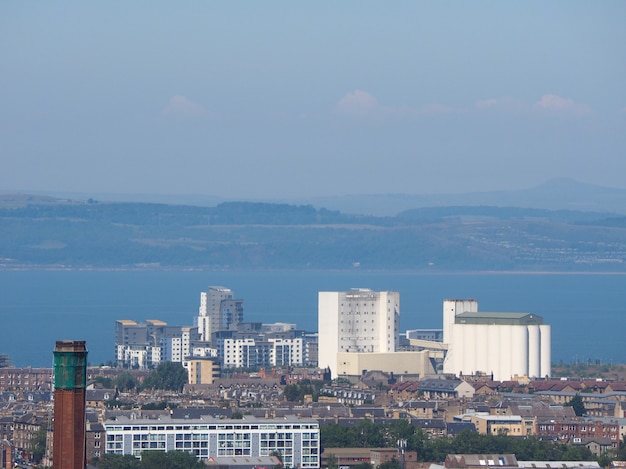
{"x":44,"y":268}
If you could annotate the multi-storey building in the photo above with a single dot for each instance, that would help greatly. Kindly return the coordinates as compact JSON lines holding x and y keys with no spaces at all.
{"x":359,"y":321}
{"x":575,"y":430}
{"x":504,"y":345}
{"x":26,"y":379}
{"x":219,"y":311}
{"x":202,"y":370}
{"x":296,"y":440}
{"x":145,"y":345}
{"x":259,"y":345}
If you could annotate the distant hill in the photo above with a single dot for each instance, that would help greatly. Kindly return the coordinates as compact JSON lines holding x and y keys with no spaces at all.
{"x":556,"y":194}
{"x":41,"y":231}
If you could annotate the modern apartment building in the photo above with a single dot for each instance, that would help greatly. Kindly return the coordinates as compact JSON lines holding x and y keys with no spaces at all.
{"x":219,"y":311}
{"x":145,"y":345}
{"x":297,"y":440}
{"x":260,"y":345}
{"x":360,"y":320}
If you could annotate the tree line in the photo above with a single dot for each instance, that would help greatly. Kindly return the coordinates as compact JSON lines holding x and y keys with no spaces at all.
{"x":384,"y":435}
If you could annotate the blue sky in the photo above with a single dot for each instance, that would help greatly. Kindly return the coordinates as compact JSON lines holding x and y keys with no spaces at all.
{"x":262,"y":100}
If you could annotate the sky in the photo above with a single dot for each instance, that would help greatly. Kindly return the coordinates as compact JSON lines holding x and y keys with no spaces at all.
{"x":268,"y":100}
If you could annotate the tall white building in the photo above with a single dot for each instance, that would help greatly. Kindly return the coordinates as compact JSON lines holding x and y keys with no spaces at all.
{"x":450,"y":309}
{"x":502,"y":344}
{"x":359,"y":320}
{"x":219,"y":311}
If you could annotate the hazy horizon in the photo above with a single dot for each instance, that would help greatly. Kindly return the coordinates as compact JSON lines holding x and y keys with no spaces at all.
{"x":288,"y":100}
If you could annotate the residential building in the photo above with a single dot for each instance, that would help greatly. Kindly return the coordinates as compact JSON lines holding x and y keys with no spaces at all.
{"x":510,"y":425}
{"x":255,"y":345}
{"x":445,"y":389}
{"x":219,"y":311}
{"x":6,"y":454}
{"x":26,"y":379}
{"x":202,"y":370}
{"x":296,"y":440}
{"x":145,"y":345}
{"x":577,"y":429}
{"x":356,"y":321}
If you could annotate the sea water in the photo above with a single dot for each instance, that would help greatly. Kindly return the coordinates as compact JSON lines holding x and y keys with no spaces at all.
{"x":587,"y":312}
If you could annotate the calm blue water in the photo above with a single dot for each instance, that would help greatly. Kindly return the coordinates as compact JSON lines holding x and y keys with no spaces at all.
{"x":587,"y":312}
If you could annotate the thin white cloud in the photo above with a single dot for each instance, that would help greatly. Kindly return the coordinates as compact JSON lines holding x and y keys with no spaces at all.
{"x":361,"y":104}
{"x":501,"y":104}
{"x":358,"y":103}
{"x":553,"y":103}
{"x":486,"y":103}
{"x":437,"y":109}
{"x":180,"y":107}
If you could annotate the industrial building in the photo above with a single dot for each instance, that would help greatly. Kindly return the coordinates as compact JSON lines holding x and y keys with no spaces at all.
{"x":504,"y":345}
{"x":356,"y":321}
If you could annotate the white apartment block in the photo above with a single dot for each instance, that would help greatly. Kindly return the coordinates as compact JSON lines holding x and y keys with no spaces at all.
{"x":133,"y":356}
{"x":254,"y":352}
{"x":296,"y":440}
{"x":360,"y":320}
{"x":219,"y":311}
{"x":287,"y":352}
{"x":203,"y":351}
{"x":172,"y":349}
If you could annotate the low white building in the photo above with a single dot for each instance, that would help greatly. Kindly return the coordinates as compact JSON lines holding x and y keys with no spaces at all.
{"x":296,"y":440}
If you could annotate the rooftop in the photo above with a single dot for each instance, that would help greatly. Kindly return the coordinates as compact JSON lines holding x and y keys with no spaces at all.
{"x":498,"y":318}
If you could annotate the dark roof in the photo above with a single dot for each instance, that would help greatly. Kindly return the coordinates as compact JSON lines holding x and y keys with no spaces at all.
{"x":454,"y":428}
{"x":439,"y":384}
{"x":429,"y":423}
{"x":197,"y":412}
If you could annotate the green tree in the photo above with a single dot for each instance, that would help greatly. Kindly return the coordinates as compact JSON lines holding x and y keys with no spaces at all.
{"x":168,"y":376}
{"x":333,"y":436}
{"x":276,"y":454}
{"x":366,"y":434}
{"x":169,"y":460}
{"x":621,"y":450}
{"x":399,"y":429}
{"x":331,"y":462}
{"x":116,"y":461}
{"x":38,"y":444}
{"x":105,"y":382}
{"x":578,"y":405}
{"x":125,"y":381}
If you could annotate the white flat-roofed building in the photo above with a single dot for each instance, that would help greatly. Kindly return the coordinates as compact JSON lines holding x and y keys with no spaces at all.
{"x":360,"y":320}
{"x":297,"y":440}
{"x":240,"y":352}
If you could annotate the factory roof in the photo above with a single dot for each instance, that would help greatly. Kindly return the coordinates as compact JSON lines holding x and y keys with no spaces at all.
{"x":510,"y":319}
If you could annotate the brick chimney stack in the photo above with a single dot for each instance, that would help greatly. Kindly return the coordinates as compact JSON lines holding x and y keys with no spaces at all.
{"x":70,"y":382}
